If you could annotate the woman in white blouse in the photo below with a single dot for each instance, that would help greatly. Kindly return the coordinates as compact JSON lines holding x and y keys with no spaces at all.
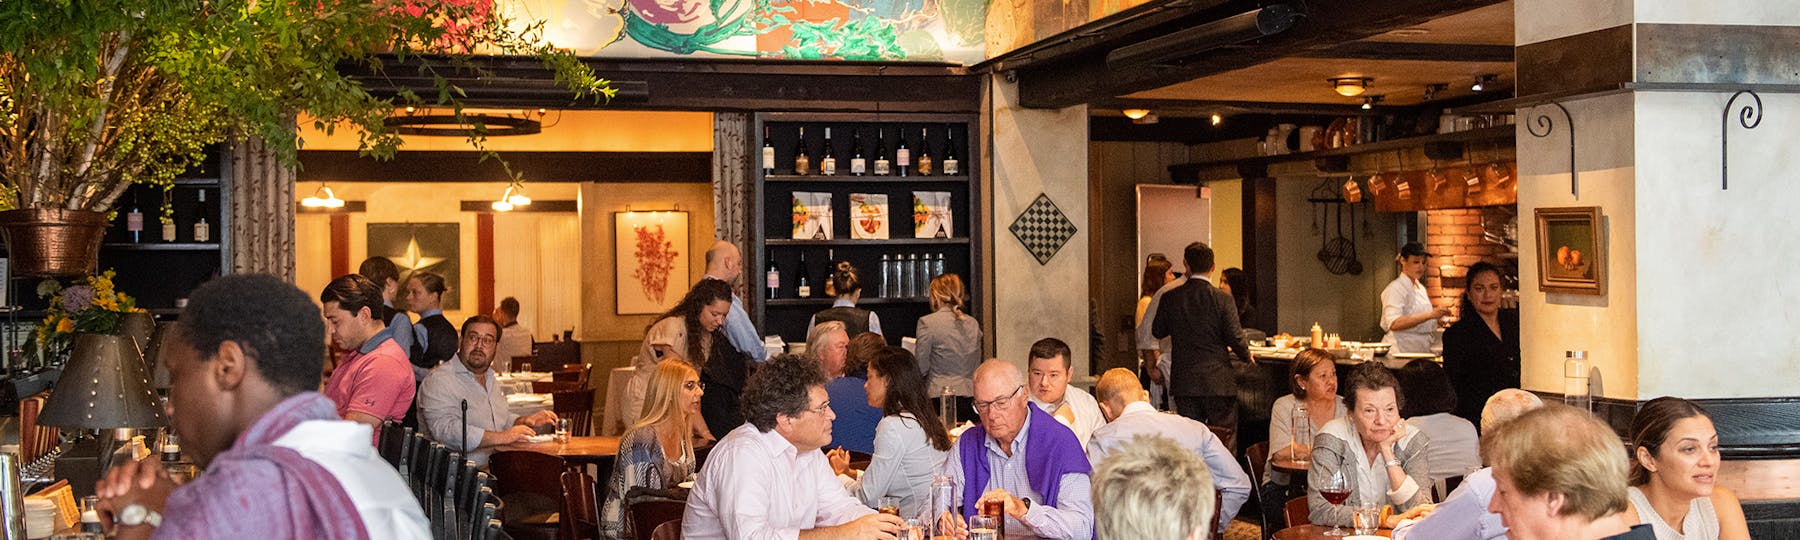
{"x":910,"y":442}
{"x":1455,"y":446}
{"x":1674,"y":475}
{"x":1380,"y":457}
{"x":1313,"y":379}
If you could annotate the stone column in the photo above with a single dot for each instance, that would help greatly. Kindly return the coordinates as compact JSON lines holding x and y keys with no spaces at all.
{"x":732,"y":184}
{"x":1038,"y":152}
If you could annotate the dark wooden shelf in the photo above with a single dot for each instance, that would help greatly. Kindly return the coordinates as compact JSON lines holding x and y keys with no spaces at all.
{"x":197,"y":182}
{"x":888,"y":242}
{"x":845,"y":179}
{"x":826,"y":301}
{"x":161,"y":246}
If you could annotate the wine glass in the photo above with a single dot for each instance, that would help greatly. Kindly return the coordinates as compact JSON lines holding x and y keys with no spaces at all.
{"x":1335,"y":491}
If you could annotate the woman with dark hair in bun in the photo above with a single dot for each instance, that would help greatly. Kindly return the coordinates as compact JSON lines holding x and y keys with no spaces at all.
{"x":1481,"y":351}
{"x":846,"y":285}
{"x":1674,"y":475}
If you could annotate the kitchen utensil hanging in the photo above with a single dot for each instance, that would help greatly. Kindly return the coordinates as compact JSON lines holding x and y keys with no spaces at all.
{"x":1356,"y":265}
{"x":1323,"y":197}
{"x":1340,"y":252}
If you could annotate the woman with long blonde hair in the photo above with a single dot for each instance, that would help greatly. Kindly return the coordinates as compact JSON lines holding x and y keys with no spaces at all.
{"x":658,"y":451}
{"x":949,"y":346}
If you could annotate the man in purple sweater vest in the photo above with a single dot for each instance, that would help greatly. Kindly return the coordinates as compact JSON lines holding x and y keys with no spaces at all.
{"x":1024,"y":459}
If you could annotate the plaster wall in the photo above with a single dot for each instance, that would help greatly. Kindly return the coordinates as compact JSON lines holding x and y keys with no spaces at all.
{"x":1039,"y":151}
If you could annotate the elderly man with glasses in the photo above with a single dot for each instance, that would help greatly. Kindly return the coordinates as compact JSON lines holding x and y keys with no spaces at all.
{"x":1022,"y":458}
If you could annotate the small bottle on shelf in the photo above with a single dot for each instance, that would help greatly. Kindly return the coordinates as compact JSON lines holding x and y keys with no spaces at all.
{"x":858,"y":164}
{"x":134,"y":222}
{"x":909,"y":276}
{"x":937,"y":265}
{"x":922,"y":275}
{"x":202,"y":231}
{"x":902,"y":155}
{"x":828,"y":161}
{"x":882,"y":165}
{"x":887,"y":276}
{"x":773,"y":277}
{"x":168,"y":229}
{"x":803,"y":287}
{"x":768,"y":153}
{"x":924,"y":166}
{"x":802,"y":162}
{"x":949,"y":163}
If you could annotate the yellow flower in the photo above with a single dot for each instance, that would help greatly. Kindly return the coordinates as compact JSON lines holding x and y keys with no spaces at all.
{"x":65,"y":325}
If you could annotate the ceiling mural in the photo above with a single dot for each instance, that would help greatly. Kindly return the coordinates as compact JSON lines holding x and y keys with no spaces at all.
{"x":869,"y":30}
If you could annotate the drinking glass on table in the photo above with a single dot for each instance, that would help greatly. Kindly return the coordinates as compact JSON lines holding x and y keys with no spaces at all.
{"x":1335,"y":491}
{"x":983,"y":527}
{"x":1300,"y":449}
{"x":912,"y":531}
{"x":562,"y":430}
{"x":1367,"y":518}
{"x":889,"y":505}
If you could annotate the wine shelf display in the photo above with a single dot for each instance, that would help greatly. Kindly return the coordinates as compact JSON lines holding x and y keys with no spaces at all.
{"x":893,"y":285}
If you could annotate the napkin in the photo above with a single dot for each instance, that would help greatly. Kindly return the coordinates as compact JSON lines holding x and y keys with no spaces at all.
{"x":547,"y":437}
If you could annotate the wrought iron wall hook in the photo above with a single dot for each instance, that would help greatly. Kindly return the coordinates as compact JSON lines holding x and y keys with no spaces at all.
{"x":1749,"y":116}
{"x":1541,"y":126}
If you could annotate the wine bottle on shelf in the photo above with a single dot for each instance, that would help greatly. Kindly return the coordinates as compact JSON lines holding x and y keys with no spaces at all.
{"x":773,"y":278}
{"x":902,"y":155}
{"x":768,"y":153}
{"x":858,"y":164}
{"x":949,"y":164}
{"x":924,"y":165}
{"x":202,"y":231}
{"x":882,"y":165}
{"x":134,"y":222}
{"x":828,"y":161}
{"x":802,"y":162}
{"x":803,"y":287}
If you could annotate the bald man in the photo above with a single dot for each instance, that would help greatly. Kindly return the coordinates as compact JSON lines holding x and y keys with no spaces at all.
{"x":1128,"y":414}
{"x":724,"y":263}
{"x":1464,"y":514}
{"x":1021,"y":457}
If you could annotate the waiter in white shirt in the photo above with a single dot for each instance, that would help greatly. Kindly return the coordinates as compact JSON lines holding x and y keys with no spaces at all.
{"x":1050,"y":390}
{"x":1406,"y":311}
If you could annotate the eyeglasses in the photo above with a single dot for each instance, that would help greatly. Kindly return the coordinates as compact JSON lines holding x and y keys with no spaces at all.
{"x":981,"y":407}
{"x":693,"y":385}
{"x":821,"y":409}
{"x":483,"y":340}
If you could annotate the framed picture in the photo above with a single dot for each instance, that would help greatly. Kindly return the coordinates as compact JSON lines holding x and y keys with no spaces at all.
{"x":434,"y":247}
{"x":650,"y":257}
{"x":1571,"y":250}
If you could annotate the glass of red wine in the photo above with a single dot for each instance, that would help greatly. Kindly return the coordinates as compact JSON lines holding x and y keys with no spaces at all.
{"x":1335,"y":491}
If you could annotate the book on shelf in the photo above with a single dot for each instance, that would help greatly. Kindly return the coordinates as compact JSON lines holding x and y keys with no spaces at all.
{"x":812,"y":216}
{"x":869,"y":216}
{"x":931,"y":215}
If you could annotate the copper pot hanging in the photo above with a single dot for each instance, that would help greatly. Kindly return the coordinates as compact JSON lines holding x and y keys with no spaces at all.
{"x":52,"y":241}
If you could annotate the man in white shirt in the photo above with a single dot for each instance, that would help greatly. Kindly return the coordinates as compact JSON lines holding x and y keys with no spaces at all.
{"x":1050,"y":390}
{"x":1406,"y":311}
{"x":515,"y":337}
{"x":1464,"y":513}
{"x":467,"y":379}
{"x":1129,"y":414}
{"x":1155,"y":490}
{"x":768,"y":480}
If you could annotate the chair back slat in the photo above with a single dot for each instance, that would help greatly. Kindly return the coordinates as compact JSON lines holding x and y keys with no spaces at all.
{"x":580,"y":510}
{"x":35,"y":439}
{"x":1297,"y":512}
{"x":667,"y":531}
{"x":647,"y":515}
{"x":578,"y":407}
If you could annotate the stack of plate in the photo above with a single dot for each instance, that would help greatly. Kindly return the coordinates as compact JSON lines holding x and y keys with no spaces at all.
{"x":40,"y":518}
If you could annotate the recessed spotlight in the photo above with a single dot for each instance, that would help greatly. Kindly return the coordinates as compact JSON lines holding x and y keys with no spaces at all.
{"x":1350,"y":86}
{"x":1369,"y":102}
{"x":1216,"y":119}
{"x":1482,"y":83}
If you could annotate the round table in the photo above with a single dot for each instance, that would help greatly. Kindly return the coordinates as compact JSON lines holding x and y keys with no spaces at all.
{"x":1288,"y":465}
{"x":598,"y":450}
{"x":1316,"y":532}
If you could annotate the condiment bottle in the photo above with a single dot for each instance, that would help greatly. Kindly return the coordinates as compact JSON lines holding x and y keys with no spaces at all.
{"x":1318,"y":335}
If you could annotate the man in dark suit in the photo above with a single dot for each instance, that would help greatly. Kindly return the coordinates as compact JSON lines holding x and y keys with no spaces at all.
{"x":1202,"y":323}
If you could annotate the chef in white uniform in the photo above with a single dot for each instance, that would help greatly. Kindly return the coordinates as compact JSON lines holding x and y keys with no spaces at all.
{"x":1406,"y":311}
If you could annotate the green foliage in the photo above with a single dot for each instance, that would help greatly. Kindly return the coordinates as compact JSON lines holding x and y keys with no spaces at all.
{"x":98,"y":94}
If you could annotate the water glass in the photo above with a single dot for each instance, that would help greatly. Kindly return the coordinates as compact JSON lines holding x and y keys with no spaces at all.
{"x":912,"y":531}
{"x":984,"y":527}
{"x":562,"y":430}
{"x":1367,"y":519}
{"x":1302,"y":433}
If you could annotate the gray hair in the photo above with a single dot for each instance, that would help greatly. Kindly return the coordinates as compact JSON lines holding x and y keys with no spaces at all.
{"x":1506,"y":405}
{"x":815,"y":338}
{"x":1154,"y":490}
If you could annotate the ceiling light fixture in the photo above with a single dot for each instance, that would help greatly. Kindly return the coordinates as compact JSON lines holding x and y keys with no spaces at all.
{"x":1350,"y":86}
{"x":1482,"y":82}
{"x":513,"y":197}
{"x":1135,"y":114}
{"x":329,"y":200}
{"x":1216,"y":119}
{"x":1370,"y":101}
{"x":1431,"y":90}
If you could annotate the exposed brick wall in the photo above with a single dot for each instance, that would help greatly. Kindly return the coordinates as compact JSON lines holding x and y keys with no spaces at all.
{"x":1454,"y":238}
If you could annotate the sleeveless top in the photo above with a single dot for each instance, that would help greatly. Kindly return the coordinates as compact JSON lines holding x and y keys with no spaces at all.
{"x":856,"y":320}
{"x":1701,"y":523}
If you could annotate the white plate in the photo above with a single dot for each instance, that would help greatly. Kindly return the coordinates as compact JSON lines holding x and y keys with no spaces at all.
{"x":1412,"y":356}
{"x":686,"y":485}
{"x":1365,"y":537}
{"x":526,"y":398}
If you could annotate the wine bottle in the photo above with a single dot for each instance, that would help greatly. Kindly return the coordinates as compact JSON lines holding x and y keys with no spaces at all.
{"x":828,"y":161}
{"x":802,"y":161}
{"x":924,"y":165}
{"x":134,"y":222}
{"x":882,"y":165}
{"x":803,"y":287}
{"x":949,"y":164}
{"x":202,"y":231}
{"x":902,"y":154}
{"x":773,"y":277}
{"x":858,"y":165}
{"x":768,"y":153}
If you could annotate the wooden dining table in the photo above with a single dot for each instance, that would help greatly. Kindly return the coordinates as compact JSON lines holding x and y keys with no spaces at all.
{"x":1317,"y":532}
{"x":596,"y":450}
{"x":1288,"y":465}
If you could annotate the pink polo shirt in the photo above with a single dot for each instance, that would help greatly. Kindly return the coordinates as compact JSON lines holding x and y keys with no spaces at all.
{"x":377,"y":382}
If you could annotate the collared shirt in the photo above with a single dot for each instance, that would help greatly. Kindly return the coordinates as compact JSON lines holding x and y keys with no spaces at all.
{"x":1401,"y":298}
{"x":740,"y":331}
{"x":1146,"y":341}
{"x":1139,"y":418}
{"x":758,"y":486}
{"x":1071,"y":519}
{"x":375,"y":379}
{"x":250,"y":498}
{"x":401,"y":320}
{"x":902,"y":465}
{"x":874,"y":319}
{"x":419,"y":330}
{"x":1087,"y":412}
{"x":515,"y":341}
{"x":1462,"y":516}
{"x":440,"y":407}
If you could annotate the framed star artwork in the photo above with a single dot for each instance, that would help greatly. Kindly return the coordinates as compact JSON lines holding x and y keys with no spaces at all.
{"x":434,"y":247}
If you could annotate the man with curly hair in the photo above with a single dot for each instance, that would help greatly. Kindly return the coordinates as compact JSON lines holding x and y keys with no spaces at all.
{"x":768,"y":479}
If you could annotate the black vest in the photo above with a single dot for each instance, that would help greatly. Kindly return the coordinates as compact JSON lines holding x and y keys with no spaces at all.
{"x":856,"y":320}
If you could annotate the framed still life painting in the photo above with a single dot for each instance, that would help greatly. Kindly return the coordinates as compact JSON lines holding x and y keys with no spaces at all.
{"x":650,"y":267}
{"x":1571,"y":250}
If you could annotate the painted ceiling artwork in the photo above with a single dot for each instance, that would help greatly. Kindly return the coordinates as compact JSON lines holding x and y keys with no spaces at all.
{"x":881,"y":30}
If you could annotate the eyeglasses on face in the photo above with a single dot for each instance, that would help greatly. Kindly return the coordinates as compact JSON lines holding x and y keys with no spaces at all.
{"x":693,"y":385}
{"x":981,"y":407}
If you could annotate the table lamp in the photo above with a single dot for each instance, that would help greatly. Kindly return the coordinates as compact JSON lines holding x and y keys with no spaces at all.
{"x":103,"y":387}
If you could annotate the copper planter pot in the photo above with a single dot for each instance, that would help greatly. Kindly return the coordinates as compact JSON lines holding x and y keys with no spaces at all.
{"x":52,"y":241}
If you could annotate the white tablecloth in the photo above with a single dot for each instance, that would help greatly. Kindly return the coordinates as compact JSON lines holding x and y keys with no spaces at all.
{"x":525,"y":404}
{"x":610,"y":423}
{"x":520,"y":382}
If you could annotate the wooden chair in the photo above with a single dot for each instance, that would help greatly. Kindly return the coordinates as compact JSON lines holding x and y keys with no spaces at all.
{"x":573,"y":373}
{"x":556,"y":354}
{"x":35,"y":439}
{"x":647,"y":515}
{"x":1256,"y":458}
{"x":551,"y":387}
{"x":1227,"y":436}
{"x":667,"y":531}
{"x":580,"y":509}
{"x":1297,"y":512}
{"x":530,"y":486}
{"x":578,"y":407}
{"x":1217,"y":532}
{"x":1441,"y":489}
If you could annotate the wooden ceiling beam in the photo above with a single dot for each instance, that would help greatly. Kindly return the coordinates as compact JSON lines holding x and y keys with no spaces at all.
{"x":1202,"y":108}
{"x":1431,"y":52}
{"x":1086,"y":77}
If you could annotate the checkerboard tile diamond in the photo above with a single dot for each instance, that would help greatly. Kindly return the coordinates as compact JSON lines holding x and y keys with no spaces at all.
{"x":1043,"y":229}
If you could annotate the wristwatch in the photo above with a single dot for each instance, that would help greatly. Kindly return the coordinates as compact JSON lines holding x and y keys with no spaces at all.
{"x":137,"y":514}
{"x":1027,"y":503}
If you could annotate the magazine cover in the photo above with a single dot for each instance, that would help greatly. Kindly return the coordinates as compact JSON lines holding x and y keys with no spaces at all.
{"x":812,"y":216}
{"x":931,"y":214}
{"x":868,"y":216}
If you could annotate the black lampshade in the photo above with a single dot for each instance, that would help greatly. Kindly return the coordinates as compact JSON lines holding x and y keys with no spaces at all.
{"x":103,"y":386}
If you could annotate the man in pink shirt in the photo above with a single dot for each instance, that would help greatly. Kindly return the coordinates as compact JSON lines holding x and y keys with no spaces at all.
{"x":374,"y":382}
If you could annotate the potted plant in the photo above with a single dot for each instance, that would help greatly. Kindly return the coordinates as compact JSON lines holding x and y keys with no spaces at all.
{"x":97,"y":95}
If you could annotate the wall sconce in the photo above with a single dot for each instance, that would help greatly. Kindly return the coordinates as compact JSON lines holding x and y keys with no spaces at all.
{"x":1216,"y":119}
{"x":1369,"y":102}
{"x":1136,"y":114}
{"x":329,"y":200}
{"x":513,"y":197}
{"x":1350,"y":86}
{"x":1482,"y":83}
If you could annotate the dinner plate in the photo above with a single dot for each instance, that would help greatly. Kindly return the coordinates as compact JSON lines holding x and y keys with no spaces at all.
{"x":1412,"y":356}
{"x":526,"y":398}
{"x":1365,"y":537}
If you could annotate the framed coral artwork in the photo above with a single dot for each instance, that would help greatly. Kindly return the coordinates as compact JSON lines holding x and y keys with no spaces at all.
{"x":650,"y":257}
{"x":1571,"y":250}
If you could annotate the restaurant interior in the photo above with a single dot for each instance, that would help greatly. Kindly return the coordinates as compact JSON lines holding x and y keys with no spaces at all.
{"x":1305,"y":142}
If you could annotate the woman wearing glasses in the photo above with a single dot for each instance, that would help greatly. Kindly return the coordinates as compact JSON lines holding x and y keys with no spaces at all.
{"x":658,"y":452}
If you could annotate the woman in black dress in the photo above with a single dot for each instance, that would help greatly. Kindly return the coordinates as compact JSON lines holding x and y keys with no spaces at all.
{"x":1481,"y":351}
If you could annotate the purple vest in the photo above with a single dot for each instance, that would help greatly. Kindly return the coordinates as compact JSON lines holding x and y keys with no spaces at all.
{"x":1051,"y":451}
